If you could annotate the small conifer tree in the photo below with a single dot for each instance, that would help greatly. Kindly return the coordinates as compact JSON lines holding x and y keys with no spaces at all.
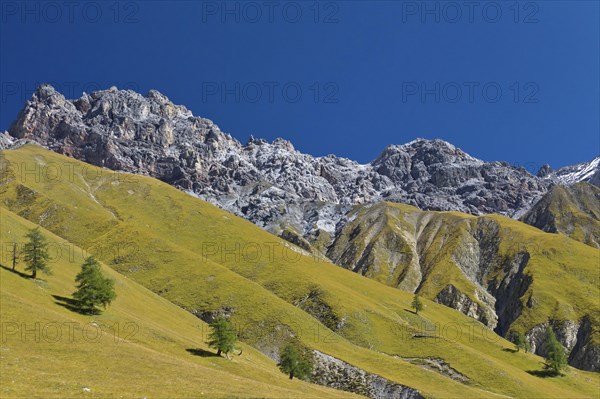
{"x":93,"y":288}
{"x":417,"y":304}
{"x":35,"y":253}
{"x":295,"y":361}
{"x":222,"y":336}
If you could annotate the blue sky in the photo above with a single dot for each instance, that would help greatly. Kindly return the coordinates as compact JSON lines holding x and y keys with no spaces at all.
{"x":513,"y":81}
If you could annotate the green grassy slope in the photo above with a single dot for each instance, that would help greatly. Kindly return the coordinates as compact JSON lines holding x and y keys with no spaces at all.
{"x":204,"y":260}
{"x":573,"y":211}
{"x":136,"y":348}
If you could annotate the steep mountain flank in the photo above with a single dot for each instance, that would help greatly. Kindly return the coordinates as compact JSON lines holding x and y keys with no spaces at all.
{"x":491,"y":268}
{"x":570,"y":210}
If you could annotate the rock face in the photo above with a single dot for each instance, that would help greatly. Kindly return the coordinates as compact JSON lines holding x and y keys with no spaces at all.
{"x":584,"y":354}
{"x":452,"y":297}
{"x":338,"y":374}
{"x":418,"y":251}
{"x":576,"y":338}
{"x":438,"y":365}
{"x":271,"y":184}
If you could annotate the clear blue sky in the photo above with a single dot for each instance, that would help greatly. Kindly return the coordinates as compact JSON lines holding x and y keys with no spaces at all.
{"x":368,"y":72}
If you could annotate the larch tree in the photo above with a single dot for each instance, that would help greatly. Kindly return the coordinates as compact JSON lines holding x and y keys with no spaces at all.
{"x":93,"y":288}
{"x":35,"y":253}
{"x":222,"y":336}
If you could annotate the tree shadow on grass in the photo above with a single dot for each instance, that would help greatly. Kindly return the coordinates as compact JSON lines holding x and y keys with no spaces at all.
{"x":201,"y":352}
{"x":543,"y":373}
{"x":73,"y":305}
{"x":24,"y":275}
{"x":425,"y":335}
{"x":510,"y":350}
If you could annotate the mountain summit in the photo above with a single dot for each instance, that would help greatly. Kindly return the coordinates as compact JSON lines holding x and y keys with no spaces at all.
{"x":271,"y":184}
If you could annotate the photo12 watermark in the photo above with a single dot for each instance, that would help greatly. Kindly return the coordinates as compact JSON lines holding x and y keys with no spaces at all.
{"x":452,"y":331}
{"x":470,"y":12}
{"x":470,"y":92}
{"x":270,"y":12}
{"x":254,"y":252}
{"x":69,"y":12}
{"x":270,"y":92}
{"x":29,"y":172}
{"x":264,"y":253}
{"x":67,"y":332}
{"x":12,"y":249}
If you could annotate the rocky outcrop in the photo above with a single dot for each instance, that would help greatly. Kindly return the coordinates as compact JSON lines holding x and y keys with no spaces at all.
{"x":585,"y":353}
{"x":508,"y":287}
{"x":576,"y":338}
{"x":296,"y":239}
{"x":452,"y":297}
{"x":208,"y":316}
{"x":335,"y":373}
{"x":315,"y":305}
{"x":439,"y":366}
{"x":6,"y":141}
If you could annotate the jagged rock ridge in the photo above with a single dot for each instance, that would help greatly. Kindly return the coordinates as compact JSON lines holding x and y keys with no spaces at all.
{"x":271,"y":184}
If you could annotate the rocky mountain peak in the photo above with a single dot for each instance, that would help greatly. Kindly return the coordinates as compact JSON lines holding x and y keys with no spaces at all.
{"x":283,"y":144}
{"x":544,"y":171}
{"x":45,"y":91}
{"x":254,"y":141}
{"x":427,"y":152}
{"x":158,"y":97}
{"x":271,"y":184}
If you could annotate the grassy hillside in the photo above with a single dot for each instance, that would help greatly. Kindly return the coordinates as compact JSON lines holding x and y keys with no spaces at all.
{"x":573,"y":211}
{"x":206,"y":260}
{"x":142,"y":346}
